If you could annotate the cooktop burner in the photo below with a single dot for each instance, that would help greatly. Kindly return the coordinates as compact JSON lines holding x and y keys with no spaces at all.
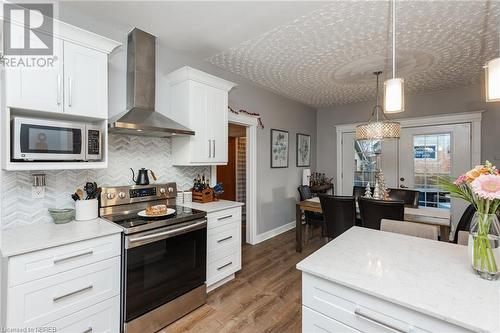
{"x":132,"y":223}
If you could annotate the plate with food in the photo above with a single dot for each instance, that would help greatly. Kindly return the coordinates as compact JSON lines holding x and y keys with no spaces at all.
{"x":156,"y":211}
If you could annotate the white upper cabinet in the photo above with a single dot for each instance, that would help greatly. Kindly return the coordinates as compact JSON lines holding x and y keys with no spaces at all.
{"x":199,"y":101}
{"x":76,"y":83}
{"x":85,"y":81}
{"x":36,"y":89}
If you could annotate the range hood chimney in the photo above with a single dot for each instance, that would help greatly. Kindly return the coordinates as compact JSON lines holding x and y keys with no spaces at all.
{"x":141,"y":117}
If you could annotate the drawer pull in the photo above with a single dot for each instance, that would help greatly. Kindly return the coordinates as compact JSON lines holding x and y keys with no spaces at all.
{"x":358,"y":313}
{"x":88,"y":330}
{"x":224,"y":266}
{"x":224,"y":239}
{"x":58,"y":298}
{"x":225,"y":217}
{"x":86,"y":253}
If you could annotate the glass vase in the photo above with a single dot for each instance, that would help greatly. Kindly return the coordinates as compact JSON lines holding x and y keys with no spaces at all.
{"x":484,"y":245}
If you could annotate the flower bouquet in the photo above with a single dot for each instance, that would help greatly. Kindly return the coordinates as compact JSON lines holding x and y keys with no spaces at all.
{"x":481,"y":187}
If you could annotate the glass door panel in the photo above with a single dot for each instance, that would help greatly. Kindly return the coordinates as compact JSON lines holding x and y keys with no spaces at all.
{"x":431,"y":161}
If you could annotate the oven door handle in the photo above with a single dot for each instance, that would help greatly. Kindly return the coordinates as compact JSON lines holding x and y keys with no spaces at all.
{"x":169,"y":233}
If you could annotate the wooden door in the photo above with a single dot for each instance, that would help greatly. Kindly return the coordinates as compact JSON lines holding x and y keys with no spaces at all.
{"x":226,"y":174}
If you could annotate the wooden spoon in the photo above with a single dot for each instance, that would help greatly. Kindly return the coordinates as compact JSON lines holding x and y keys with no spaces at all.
{"x":80,"y":193}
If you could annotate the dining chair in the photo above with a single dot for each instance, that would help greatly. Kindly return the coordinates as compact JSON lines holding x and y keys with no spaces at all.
{"x":410,"y":197}
{"x":339,"y":213}
{"x":312,"y":219}
{"x":463,"y":237}
{"x":410,"y":229}
{"x":372,"y":211}
{"x":357,"y":192}
{"x":464,"y":223}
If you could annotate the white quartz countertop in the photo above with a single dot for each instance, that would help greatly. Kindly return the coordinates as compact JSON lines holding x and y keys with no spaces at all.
{"x":427,"y":276}
{"x":41,"y":236}
{"x":213,"y":206}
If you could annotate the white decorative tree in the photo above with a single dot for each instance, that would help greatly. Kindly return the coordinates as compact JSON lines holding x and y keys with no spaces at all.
{"x":376,"y":190}
{"x":384,"y":192}
{"x":368,"y":191}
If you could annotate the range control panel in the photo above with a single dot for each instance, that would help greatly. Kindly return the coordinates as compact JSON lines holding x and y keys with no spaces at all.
{"x":112,"y":196}
{"x":142,"y":192}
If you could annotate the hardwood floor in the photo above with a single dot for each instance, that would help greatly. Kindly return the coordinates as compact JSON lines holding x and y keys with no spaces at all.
{"x":265,"y":296}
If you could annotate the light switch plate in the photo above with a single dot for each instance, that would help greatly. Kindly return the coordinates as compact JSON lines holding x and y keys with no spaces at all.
{"x":37,"y":192}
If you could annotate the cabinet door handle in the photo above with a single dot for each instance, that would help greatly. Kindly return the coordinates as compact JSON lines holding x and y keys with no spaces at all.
{"x":209,"y":148}
{"x":224,"y":266}
{"x":86,"y":253}
{"x":214,"y":147}
{"x":224,"y":217}
{"x":58,"y":298}
{"x":88,"y":330}
{"x":70,"y":91}
{"x":358,"y":313}
{"x":59,"y":85}
{"x":224,"y":239}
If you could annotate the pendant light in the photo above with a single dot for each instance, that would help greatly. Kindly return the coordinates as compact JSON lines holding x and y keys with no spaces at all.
{"x":375,"y":128}
{"x":492,"y":80}
{"x":394,"y":99}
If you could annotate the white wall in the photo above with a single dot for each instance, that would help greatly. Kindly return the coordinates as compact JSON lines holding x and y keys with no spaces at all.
{"x":444,"y":102}
{"x":276,"y":188}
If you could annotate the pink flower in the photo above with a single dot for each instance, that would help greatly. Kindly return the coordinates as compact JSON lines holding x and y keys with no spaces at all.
{"x":460,"y":180}
{"x":487,"y":186}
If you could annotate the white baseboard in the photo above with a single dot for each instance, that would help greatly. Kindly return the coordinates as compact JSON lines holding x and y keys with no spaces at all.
{"x":274,"y":232}
{"x":220,"y":283}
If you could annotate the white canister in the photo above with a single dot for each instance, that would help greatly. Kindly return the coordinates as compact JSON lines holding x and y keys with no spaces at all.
{"x":86,"y":209}
{"x":179,"y":200}
{"x":188,"y":197}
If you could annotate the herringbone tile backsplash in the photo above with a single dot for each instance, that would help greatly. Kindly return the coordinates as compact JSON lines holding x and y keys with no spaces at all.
{"x":124,"y":152}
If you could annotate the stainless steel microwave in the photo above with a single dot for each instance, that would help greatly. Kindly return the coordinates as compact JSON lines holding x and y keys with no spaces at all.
{"x":35,"y":139}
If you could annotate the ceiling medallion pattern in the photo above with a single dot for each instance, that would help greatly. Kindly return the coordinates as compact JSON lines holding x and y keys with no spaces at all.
{"x":327,"y":57}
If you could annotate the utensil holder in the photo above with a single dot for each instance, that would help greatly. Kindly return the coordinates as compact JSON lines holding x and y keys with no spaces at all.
{"x":86,"y":209}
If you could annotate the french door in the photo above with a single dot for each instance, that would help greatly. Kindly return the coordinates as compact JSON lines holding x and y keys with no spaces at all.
{"x":416,"y":161}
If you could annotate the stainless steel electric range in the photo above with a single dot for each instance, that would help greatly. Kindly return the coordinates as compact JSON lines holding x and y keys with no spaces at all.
{"x":163,"y":258}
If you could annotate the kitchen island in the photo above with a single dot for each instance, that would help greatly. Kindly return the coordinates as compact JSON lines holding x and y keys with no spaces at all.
{"x":372,"y":281}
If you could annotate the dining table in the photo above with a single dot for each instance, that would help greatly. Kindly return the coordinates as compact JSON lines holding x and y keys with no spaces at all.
{"x":438,"y":217}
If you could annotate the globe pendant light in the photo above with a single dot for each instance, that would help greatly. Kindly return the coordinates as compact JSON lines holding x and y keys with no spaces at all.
{"x":492,"y":80}
{"x":376,"y":129}
{"x":394,"y":100}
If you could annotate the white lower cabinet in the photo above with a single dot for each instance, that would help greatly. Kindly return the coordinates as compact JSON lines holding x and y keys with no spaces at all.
{"x":331,"y":307}
{"x":223,"y":246}
{"x":101,"y":317}
{"x":315,"y":322}
{"x":72,"y":288}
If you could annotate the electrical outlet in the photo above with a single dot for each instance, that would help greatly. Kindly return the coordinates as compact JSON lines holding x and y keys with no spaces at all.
{"x":37,"y":192}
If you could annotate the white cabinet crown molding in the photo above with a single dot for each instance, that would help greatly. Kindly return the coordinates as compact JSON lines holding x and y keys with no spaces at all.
{"x":189,"y":73}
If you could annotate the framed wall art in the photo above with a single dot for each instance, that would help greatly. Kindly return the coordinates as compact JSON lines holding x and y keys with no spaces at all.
{"x":303,"y":150}
{"x":279,"y":148}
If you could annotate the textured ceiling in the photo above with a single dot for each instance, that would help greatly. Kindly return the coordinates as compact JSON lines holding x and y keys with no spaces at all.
{"x":327,"y":57}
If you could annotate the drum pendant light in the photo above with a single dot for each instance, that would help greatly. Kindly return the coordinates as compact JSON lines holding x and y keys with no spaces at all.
{"x":375,"y":128}
{"x":394,"y":99}
{"x":492,"y":80}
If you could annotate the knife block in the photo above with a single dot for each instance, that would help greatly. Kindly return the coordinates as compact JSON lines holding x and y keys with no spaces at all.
{"x":207,"y":195}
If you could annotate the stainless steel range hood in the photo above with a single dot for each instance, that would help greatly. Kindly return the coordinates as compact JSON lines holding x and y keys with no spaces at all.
{"x":141,"y":117}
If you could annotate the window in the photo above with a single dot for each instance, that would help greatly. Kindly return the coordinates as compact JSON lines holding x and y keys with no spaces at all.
{"x":431,"y":160}
{"x":366,"y":155}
